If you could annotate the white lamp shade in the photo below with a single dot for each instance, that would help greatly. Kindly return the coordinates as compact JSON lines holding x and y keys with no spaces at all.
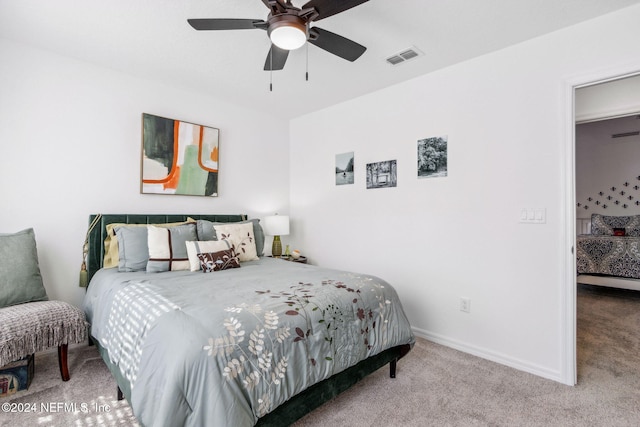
{"x":276,"y":225}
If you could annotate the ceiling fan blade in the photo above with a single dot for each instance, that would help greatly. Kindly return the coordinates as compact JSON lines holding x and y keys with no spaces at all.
{"x":326,"y":8}
{"x":226,"y":24}
{"x":276,"y":58}
{"x":338,"y":45}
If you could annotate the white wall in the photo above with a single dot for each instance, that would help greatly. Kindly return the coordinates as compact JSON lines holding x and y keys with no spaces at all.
{"x":70,"y":144}
{"x":440,"y":239}
{"x":604,"y":163}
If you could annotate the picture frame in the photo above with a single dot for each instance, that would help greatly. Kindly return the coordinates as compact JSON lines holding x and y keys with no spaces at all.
{"x":178,"y":157}
{"x":382,"y":174}
{"x":344,"y":168}
{"x":432,"y":157}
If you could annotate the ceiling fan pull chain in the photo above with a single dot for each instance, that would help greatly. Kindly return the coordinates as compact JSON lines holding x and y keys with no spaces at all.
{"x":271,"y":69}
{"x":307,"y":73}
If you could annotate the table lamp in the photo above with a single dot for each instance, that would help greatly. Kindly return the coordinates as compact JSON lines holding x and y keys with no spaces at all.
{"x":276,"y":226}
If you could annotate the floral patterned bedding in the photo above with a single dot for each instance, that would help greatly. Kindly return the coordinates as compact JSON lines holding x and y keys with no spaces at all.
{"x":608,"y":255}
{"x":225,"y":348}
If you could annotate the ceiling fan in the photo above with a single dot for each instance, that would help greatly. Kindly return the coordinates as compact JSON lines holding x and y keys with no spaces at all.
{"x":289,"y":28}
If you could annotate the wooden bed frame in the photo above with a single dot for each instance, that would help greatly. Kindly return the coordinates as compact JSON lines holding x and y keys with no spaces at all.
{"x":609,"y":281}
{"x":296,"y":407}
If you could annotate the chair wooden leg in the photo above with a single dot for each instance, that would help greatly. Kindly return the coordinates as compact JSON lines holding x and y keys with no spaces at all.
{"x":62,"y":361}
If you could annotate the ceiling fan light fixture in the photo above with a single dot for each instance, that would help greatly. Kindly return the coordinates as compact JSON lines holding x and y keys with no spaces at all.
{"x":288,"y":32}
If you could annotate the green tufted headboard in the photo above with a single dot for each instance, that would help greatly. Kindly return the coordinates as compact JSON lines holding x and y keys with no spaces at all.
{"x":95,"y":255}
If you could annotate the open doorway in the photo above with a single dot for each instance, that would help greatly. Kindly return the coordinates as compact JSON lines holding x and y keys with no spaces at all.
{"x":606,"y":183}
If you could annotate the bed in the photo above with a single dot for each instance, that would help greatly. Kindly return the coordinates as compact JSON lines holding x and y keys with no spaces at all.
{"x":610,"y":254}
{"x":262,"y":344}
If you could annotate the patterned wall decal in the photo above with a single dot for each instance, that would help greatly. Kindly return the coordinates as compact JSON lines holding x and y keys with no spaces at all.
{"x":614,"y":196}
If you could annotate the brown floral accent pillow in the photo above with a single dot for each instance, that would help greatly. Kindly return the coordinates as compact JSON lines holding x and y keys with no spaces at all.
{"x":216,"y":261}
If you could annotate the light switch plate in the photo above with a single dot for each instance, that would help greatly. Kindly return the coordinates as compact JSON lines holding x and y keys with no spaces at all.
{"x":533,"y":215}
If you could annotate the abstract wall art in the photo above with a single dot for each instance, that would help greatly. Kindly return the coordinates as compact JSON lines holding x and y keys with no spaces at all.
{"x":178,"y":157}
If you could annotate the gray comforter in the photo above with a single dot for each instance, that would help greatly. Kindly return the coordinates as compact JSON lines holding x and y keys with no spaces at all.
{"x":225,"y":348}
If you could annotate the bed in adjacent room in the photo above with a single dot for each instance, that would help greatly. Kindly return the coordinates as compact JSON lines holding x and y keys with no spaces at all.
{"x":215,"y":333}
{"x":610,"y":254}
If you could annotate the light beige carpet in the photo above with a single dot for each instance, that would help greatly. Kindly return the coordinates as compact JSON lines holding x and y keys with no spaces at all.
{"x":435,"y":385}
{"x":438,"y":386}
{"x":87,"y":399}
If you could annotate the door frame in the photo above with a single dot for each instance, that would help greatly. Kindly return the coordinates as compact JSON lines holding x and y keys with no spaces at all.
{"x":569,"y":294}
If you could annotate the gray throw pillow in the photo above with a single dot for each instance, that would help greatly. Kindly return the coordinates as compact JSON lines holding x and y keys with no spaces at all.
{"x":133,"y":252}
{"x":20,"y":279}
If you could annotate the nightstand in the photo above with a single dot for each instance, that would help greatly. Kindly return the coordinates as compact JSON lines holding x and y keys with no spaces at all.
{"x":301,"y":259}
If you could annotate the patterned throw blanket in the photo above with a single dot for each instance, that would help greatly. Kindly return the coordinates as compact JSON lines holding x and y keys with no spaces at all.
{"x":36,"y":326}
{"x":228,"y":347}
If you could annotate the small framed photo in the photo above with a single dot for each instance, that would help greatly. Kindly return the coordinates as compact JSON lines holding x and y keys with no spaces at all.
{"x":344,"y":168}
{"x":382,"y":174}
{"x":432,"y":157}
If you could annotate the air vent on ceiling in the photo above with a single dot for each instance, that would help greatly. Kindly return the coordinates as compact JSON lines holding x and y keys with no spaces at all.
{"x":403,"y":56}
{"x":625,"y":134}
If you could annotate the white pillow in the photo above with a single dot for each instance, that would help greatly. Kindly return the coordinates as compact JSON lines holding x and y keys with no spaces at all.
{"x":241,"y":237}
{"x":167,"y":249}
{"x":203,"y":247}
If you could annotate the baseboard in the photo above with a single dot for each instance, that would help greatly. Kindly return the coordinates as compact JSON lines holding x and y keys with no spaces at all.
{"x":493,"y":356}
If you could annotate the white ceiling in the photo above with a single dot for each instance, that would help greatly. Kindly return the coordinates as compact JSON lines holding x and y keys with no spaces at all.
{"x":151,"y":39}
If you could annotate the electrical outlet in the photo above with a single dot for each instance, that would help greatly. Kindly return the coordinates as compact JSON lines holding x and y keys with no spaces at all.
{"x":465,"y":305}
